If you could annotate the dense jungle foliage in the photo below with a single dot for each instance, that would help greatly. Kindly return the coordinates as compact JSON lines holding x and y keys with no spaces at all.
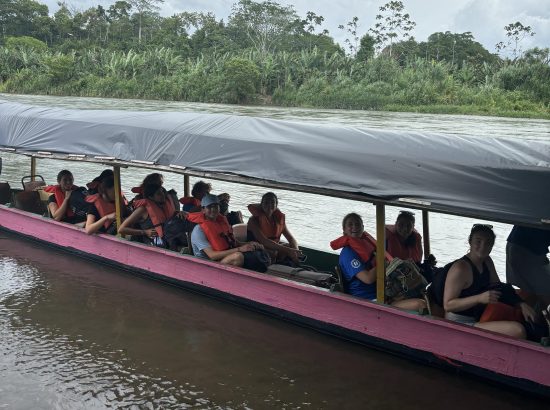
{"x":265,"y":54}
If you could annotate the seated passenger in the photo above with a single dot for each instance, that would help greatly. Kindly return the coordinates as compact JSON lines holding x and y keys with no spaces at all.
{"x":402,"y":240}
{"x":468,"y":286}
{"x":358,"y":263}
{"x":95,"y":184}
{"x":151,"y":213}
{"x":154,"y":178}
{"x":101,"y":215}
{"x":193,"y":203}
{"x":266,"y":226}
{"x":59,"y":203}
{"x":213,"y":238}
{"x":527,"y":265}
{"x":233,"y":217}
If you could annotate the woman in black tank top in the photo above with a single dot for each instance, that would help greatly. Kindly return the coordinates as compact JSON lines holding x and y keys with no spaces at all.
{"x":467,"y":287}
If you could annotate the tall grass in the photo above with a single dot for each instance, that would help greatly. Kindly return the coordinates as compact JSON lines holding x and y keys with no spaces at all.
{"x":306,"y":78}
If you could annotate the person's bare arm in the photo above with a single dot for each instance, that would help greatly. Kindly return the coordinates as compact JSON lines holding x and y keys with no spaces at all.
{"x":219,"y":255}
{"x":93,"y":225}
{"x":58,"y":212}
{"x":138,"y":215}
{"x":457,"y":279}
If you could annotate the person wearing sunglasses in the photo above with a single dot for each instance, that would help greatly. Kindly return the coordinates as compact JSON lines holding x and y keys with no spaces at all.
{"x":472,"y":283}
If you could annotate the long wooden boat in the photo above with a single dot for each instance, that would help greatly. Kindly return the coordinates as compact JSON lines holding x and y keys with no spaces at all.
{"x":493,"y":179}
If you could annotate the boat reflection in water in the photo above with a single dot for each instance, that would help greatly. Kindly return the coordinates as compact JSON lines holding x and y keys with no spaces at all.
{"x":76,"y":334}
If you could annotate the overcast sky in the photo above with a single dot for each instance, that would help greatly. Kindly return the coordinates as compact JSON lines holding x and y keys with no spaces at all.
{"x":484,"y":18}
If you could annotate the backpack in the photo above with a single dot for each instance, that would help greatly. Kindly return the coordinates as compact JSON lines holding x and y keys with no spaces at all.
{"x":175,"y":232}
{"x":78,"y":203}
{"x":404,"y":281}
{"x":437,"y":289}
{"x":304,"y":274}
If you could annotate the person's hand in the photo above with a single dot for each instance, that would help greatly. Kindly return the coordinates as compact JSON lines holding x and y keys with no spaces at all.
{"x":257,"y":245}
{"x":111,"y":216}
{"x":491,"y":296}
{"x":247,"y":247}
{"x":528,"y":312}
{"x":295,"y":255}
{"x":151,"y":232}
{"x":68,"y":194}
{"x":182,"y":214}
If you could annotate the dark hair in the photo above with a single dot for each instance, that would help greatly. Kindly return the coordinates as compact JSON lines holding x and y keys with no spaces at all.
{"x":106,"y":173}
{"x":482,"y":228}
{"x":268,"y":195}
{"x":350,"y":216}
{"x":408,"y":215}
{"x":63,"y":173}
{"x":153,"y":178}
{"x":410,"y":241}
{"x":108,"y":182}
{"x":200,"y":187}
{"x":149,"y":190}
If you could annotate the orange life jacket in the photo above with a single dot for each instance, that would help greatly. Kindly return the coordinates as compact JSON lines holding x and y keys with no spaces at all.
{"x":190,"y":200}
{"x":104,"y":207}
{"x":365,"y":247}
{"x":218,"y":232}
{"x":158,"y":214}
{"x":271,"y":228}
{"x":60,"y":197}
{"x":398,"y":249}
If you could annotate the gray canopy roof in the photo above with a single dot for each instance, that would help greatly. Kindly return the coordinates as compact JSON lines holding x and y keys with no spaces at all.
{"x":491,"y":178}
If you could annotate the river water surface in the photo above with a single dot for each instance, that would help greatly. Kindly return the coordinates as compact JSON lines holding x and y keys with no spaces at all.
{"x":78,"y":335}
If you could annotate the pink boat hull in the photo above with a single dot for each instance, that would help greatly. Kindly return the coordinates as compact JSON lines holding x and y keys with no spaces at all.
{"x":517,"y":363}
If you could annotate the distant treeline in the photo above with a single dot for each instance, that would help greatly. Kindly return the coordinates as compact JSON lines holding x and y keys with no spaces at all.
{"x":265,"y":53}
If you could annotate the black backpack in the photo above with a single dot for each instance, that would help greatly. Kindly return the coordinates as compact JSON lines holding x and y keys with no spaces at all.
{"x":437,"y":289}
{"x":78,"y":203}
{"x":175,"y":232}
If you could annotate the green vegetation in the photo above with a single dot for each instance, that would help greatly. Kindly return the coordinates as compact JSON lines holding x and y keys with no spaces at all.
{"x":267,"y":54}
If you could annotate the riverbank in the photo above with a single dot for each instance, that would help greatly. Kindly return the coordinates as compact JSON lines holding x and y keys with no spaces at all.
{"x":309,"y":80}
{"x":535,"y":111}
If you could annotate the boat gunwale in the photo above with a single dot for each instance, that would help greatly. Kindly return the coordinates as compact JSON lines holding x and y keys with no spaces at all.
{"x":290,"y":283}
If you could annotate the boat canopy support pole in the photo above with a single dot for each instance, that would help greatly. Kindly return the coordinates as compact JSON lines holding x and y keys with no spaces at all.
{"x":426,"y":232}
{"x":33,"y":168}
{"x":380,"y":252}
{"x":118,"y":196}
{"x":186,"y":186}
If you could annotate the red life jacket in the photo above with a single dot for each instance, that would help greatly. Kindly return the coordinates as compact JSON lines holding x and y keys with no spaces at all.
{"x":158,"y":214}
{"x":398,"y":249}
{"x":365,"y":247}
{"x":218,"y":232}
{"x":103,"y":207}
{"x":271,"y":228}
{"x":190,"y":200}
{"x":60,"y":197}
